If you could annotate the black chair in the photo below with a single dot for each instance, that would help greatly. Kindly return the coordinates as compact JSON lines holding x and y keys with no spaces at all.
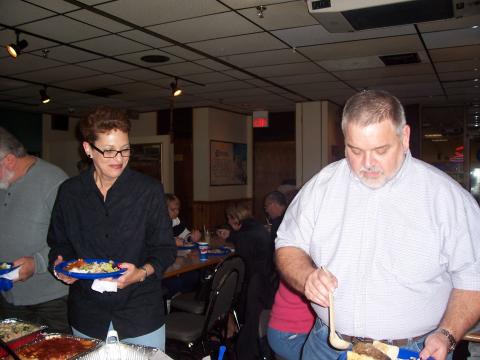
{"x":194,"y":303}
{"x":192,"y":329}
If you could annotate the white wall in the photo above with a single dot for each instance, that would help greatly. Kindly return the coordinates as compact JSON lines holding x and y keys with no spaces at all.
{"x":317,"y":130}
{"x":214,"y":124}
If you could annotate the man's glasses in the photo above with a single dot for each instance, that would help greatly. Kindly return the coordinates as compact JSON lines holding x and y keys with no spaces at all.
{"x":113,"y":153}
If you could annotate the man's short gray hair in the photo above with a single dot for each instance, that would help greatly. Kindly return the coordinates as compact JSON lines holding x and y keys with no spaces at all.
{"x":372,"y":107}
{"x":9,"y":144}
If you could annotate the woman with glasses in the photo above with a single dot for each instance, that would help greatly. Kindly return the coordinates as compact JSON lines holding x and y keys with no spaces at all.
{"x":110,"y":211}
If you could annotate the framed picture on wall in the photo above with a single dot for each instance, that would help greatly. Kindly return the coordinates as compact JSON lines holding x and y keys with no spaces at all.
{"x":228,"y":163}
{"x":147,"y":159}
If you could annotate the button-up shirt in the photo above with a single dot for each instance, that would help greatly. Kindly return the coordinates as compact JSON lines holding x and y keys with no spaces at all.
{"x":397,"y":251}
{"x":131,"y":225}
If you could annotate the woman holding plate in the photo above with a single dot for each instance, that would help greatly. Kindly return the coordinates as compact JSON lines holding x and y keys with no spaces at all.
{"x":112,"y":212}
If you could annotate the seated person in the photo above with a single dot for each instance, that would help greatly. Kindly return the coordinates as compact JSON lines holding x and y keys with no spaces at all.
{"x":180,"y":232}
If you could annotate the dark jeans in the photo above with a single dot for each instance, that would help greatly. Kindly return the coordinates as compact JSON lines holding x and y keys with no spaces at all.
{"x":51,"y":313}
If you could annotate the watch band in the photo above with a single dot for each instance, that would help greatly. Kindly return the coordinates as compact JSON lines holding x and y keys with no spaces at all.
{"x":450,"y":337}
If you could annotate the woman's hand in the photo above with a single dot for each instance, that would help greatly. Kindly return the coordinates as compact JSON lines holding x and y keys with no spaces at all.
{"x":196,"y":235}
{"x":131,"y":276}
{"x":179,"y":241}
{"x":64,"y":278}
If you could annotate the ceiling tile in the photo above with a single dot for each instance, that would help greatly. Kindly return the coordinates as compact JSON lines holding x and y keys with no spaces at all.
{"x":237,"y":74}
{"x":449,"y":24}
{"x":262,"y":58}
{"x":67,"y":54}
{"x":111,"y":45}
{"x":317,"y":76}
{"x":57,"y":6}
{"x":98,"y":21}
{"x":213,"y":26}
{"x":456,"y":53}
{"x":286,"y":69}
{"x":106,"y":65}
{"x":241,"y":4}
{"x":208,"y":78}
{"x":90,"y":83}
{"x":56,"y":74}
{"x":144,"y":38}
{"x":380,"y":81}
{"x":140,"y":74}
{"x":15,"y":12}
{"x":212,"y":64}
{"x":156,"y":12}
{"x":183,"y":53}
{"x":470,"y":64}
{"x":398,"y":70}
{"x":460,"y":75}
{"x":25,"y":62}
{"x":239,"y":44}
{"x":182,"y":69}
{"x":452,"y":38}
{"x":63,"y":29}
{"x":6,"y":84}
{"x":369,"y":47}
{"x":281,"y":16}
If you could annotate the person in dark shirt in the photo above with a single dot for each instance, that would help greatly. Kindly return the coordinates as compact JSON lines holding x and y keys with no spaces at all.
{"x":113,"y":212}
{"x":275,"y":204}
{"x":180,"y":231}
{"x":253,"y":244}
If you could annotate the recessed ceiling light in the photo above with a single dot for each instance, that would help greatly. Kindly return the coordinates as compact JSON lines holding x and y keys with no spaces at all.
{"x":155,"y":58}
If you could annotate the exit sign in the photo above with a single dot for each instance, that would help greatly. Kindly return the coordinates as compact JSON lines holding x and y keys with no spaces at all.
{"x":260,"y":119}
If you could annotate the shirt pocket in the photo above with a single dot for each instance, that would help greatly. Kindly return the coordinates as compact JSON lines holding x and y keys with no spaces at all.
{"x":409,"y":254}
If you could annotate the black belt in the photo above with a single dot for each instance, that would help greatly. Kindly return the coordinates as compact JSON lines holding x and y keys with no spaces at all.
{"x":397,"y":342}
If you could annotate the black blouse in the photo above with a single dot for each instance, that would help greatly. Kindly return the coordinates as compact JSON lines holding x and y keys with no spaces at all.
{"x":131,"y":225}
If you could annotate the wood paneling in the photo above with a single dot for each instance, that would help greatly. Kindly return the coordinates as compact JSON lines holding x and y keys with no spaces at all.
{"x":212,"y":213}
{"x":274,"y":163}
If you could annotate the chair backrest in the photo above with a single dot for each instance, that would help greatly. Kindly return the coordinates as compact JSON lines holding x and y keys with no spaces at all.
{"x":221,"y":299}
{"x":233,"y":262}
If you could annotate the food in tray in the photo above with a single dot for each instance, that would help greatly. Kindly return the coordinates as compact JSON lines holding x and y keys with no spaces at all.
{"x":5,"y":266}
{"x":375,"y":351}
{"x":12,"y":329}
{"x":95,"y":267}
{"x":59,"y":347}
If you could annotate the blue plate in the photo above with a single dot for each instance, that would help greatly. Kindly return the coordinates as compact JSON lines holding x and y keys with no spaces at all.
{"x":221,"y":251}
{"x":60,"y":268}
{"x":6,"y":271}
{"x":187,"y":246}
{"x":402,"y":354}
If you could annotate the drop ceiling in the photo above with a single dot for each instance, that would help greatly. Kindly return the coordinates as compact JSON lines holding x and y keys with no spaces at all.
{"x":224,"y":55}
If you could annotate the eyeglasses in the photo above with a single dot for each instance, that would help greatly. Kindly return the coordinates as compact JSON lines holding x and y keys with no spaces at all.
{"x":113,"y":153}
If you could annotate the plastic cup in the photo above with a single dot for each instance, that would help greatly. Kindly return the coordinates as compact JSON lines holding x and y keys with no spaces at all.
{"x":203,"y":248}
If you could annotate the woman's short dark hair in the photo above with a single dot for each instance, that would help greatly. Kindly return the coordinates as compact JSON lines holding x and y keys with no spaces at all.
{"x":103,"y":120}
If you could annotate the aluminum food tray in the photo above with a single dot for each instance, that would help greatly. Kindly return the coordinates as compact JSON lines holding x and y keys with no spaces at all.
{"x":120,"y":351}
{"x":13,"y":321}
{"x":47,"y":337}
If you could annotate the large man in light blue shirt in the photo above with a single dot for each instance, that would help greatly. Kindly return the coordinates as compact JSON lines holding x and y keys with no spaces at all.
{"x":401,"y":240}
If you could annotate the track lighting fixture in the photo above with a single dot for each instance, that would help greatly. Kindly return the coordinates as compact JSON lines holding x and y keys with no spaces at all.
{"x":176,"y":91}
{"x":44,"y":98}
{"x":15,"y":49}
{"x":260,"y":10}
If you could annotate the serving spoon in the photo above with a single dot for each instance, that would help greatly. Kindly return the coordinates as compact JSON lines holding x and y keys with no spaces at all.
{"x":333,"y":338}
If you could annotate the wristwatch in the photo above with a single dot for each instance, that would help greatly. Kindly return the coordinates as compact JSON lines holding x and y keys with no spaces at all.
{"x":451,"y":340}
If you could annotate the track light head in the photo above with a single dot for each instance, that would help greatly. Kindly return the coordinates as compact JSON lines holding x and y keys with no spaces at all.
{"x":44,"y":98}
{"x":176,"y":91}
{"x":260,"y":10}
{"x":15,"y":49}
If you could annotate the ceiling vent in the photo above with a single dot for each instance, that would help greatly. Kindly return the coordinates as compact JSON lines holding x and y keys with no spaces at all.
{"x":103,"y":92}
{"x":400,"y":59}
{"x":338,"y":16}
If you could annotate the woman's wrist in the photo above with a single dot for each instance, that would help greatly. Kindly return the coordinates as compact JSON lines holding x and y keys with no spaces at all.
{"x":145,"y":271}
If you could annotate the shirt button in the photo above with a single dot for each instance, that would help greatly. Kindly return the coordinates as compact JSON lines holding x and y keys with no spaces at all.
{"x":106,"y":235}
{"x":106,"y":214}
{"x":8,"y":194}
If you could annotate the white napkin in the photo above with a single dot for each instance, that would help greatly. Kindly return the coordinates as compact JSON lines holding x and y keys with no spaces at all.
{"x":12,"y":275}
{"x":101,"y":286}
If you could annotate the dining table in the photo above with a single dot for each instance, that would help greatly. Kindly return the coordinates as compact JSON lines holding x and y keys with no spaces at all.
{"x":189,"y":260}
